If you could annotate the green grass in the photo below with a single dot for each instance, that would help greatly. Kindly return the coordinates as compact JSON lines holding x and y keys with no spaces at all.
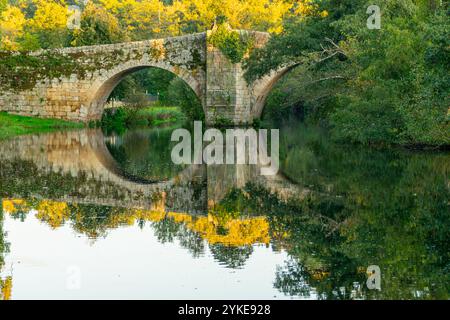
{"x":161,"y":115}
{"x":121,"y":119}
{"x":12,"y":125}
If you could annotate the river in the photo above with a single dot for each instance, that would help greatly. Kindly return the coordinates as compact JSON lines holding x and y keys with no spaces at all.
{"x":85,"y":215}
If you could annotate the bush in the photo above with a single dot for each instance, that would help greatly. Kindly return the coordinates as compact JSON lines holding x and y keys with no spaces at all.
{"x":233,"y":45}
{"x":114,"y":120}
{"x":134,"y":102}
{"x":180,"y":94}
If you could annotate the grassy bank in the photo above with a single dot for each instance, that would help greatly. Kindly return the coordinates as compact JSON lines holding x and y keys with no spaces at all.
{"x":156,"y":116}
{"x":12,"y":125}
{"x":122,"y":118}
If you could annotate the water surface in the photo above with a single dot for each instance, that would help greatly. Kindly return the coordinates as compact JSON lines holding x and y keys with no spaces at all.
{"x":86,"y":215}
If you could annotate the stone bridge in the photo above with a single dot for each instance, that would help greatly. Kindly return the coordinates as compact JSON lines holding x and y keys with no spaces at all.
{"x":77,"y":167}
{"x":76,"y":82}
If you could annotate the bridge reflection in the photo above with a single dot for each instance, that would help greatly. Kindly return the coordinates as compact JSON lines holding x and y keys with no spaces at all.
{"x":77,"y":167}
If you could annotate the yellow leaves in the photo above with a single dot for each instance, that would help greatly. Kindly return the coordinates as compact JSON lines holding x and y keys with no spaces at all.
{"x":180,"y":218}
{"x":239,"y":232}
{"x":119,"y":219}
{"x":308,"y":8}
{"x":149,"y":215}
{"x":144,"y":15}
{"x":261,"y":15}
{"x":12,"y":22}
{"x":265,"y":15}
{"x":112,"y":5}
{"x":53,"y":213}
{"x":49,"y":15}
{"x":172,"y":19}
{"x":320,"y":275}
{"x":217,"y":228}
{"x":119,"y":6}
{"x":146,"y":19}
{"x":304,"y":7}
{"x":6,"y":288}
{"x":9,"y":206}
{"x":12,"y":206}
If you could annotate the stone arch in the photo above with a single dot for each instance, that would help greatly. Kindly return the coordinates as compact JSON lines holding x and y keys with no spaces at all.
{"x":113,"y":173}
{"x":263,"y":87}
{"x":105,"y":83}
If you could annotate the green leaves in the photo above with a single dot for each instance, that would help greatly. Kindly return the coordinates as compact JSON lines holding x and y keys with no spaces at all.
{"x":394,"y":81}
{"x":98,"y":26}
{"x":232,"y":44}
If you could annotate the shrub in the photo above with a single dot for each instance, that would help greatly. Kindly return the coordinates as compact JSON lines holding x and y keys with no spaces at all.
{"x":232,"y":44}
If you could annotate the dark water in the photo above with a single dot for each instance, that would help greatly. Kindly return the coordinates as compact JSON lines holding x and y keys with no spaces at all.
{"x":89,"y":216}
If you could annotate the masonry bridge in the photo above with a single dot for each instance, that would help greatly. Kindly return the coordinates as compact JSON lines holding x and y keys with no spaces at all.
{"x":77,"y":167}
{"x":78,"y":86}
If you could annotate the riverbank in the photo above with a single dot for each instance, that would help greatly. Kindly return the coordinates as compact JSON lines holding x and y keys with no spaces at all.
{"x":119,"y":119}
{"x":122,"y":118}
{"x":157,"y":116}
{"x":13,"y":125}
{"x":294,"y":131}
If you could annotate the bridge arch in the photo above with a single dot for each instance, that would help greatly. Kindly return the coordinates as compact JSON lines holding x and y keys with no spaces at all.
{"x":111,"y":168}
{"x":104,"y":85}
{"x":263,"y":87}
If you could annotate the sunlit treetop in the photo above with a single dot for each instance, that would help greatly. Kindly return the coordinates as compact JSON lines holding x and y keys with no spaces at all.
{"x":6,"y":288}
{"x":198,"y":15}
{"x":12,"y":22}
{"x":25,"y":24}
{"x":49,"y":15}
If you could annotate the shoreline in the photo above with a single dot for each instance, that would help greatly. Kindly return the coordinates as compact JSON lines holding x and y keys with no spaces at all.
{"x":12,"y":125}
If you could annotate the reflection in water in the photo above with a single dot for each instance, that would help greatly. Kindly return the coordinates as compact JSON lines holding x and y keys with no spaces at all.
{"x":5,"y":282}
{"x":144,"y":153}
{"x":332,"y":213}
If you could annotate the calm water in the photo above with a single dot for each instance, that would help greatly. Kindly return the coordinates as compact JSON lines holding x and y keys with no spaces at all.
{"x":84,"y":215}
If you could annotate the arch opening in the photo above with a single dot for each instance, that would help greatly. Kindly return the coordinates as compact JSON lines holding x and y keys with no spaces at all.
{"x":264,"y":87}
{"x":106,"y":85}
{"x":109,"y":154}
{"x":138,"y":155}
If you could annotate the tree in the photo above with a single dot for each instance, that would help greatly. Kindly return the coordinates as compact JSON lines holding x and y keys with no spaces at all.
{"x":49,"y":23}
{"x":147,"y":18}
{"x":12,"y":22}
{"x":2,"y":236}
{"x":369,"y":86}
{"x":180,"y":94}
{"x":110,"y":21}
{"x":98,"y":26}
{"x":144,"y":19}
{"x":3,"y":5}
